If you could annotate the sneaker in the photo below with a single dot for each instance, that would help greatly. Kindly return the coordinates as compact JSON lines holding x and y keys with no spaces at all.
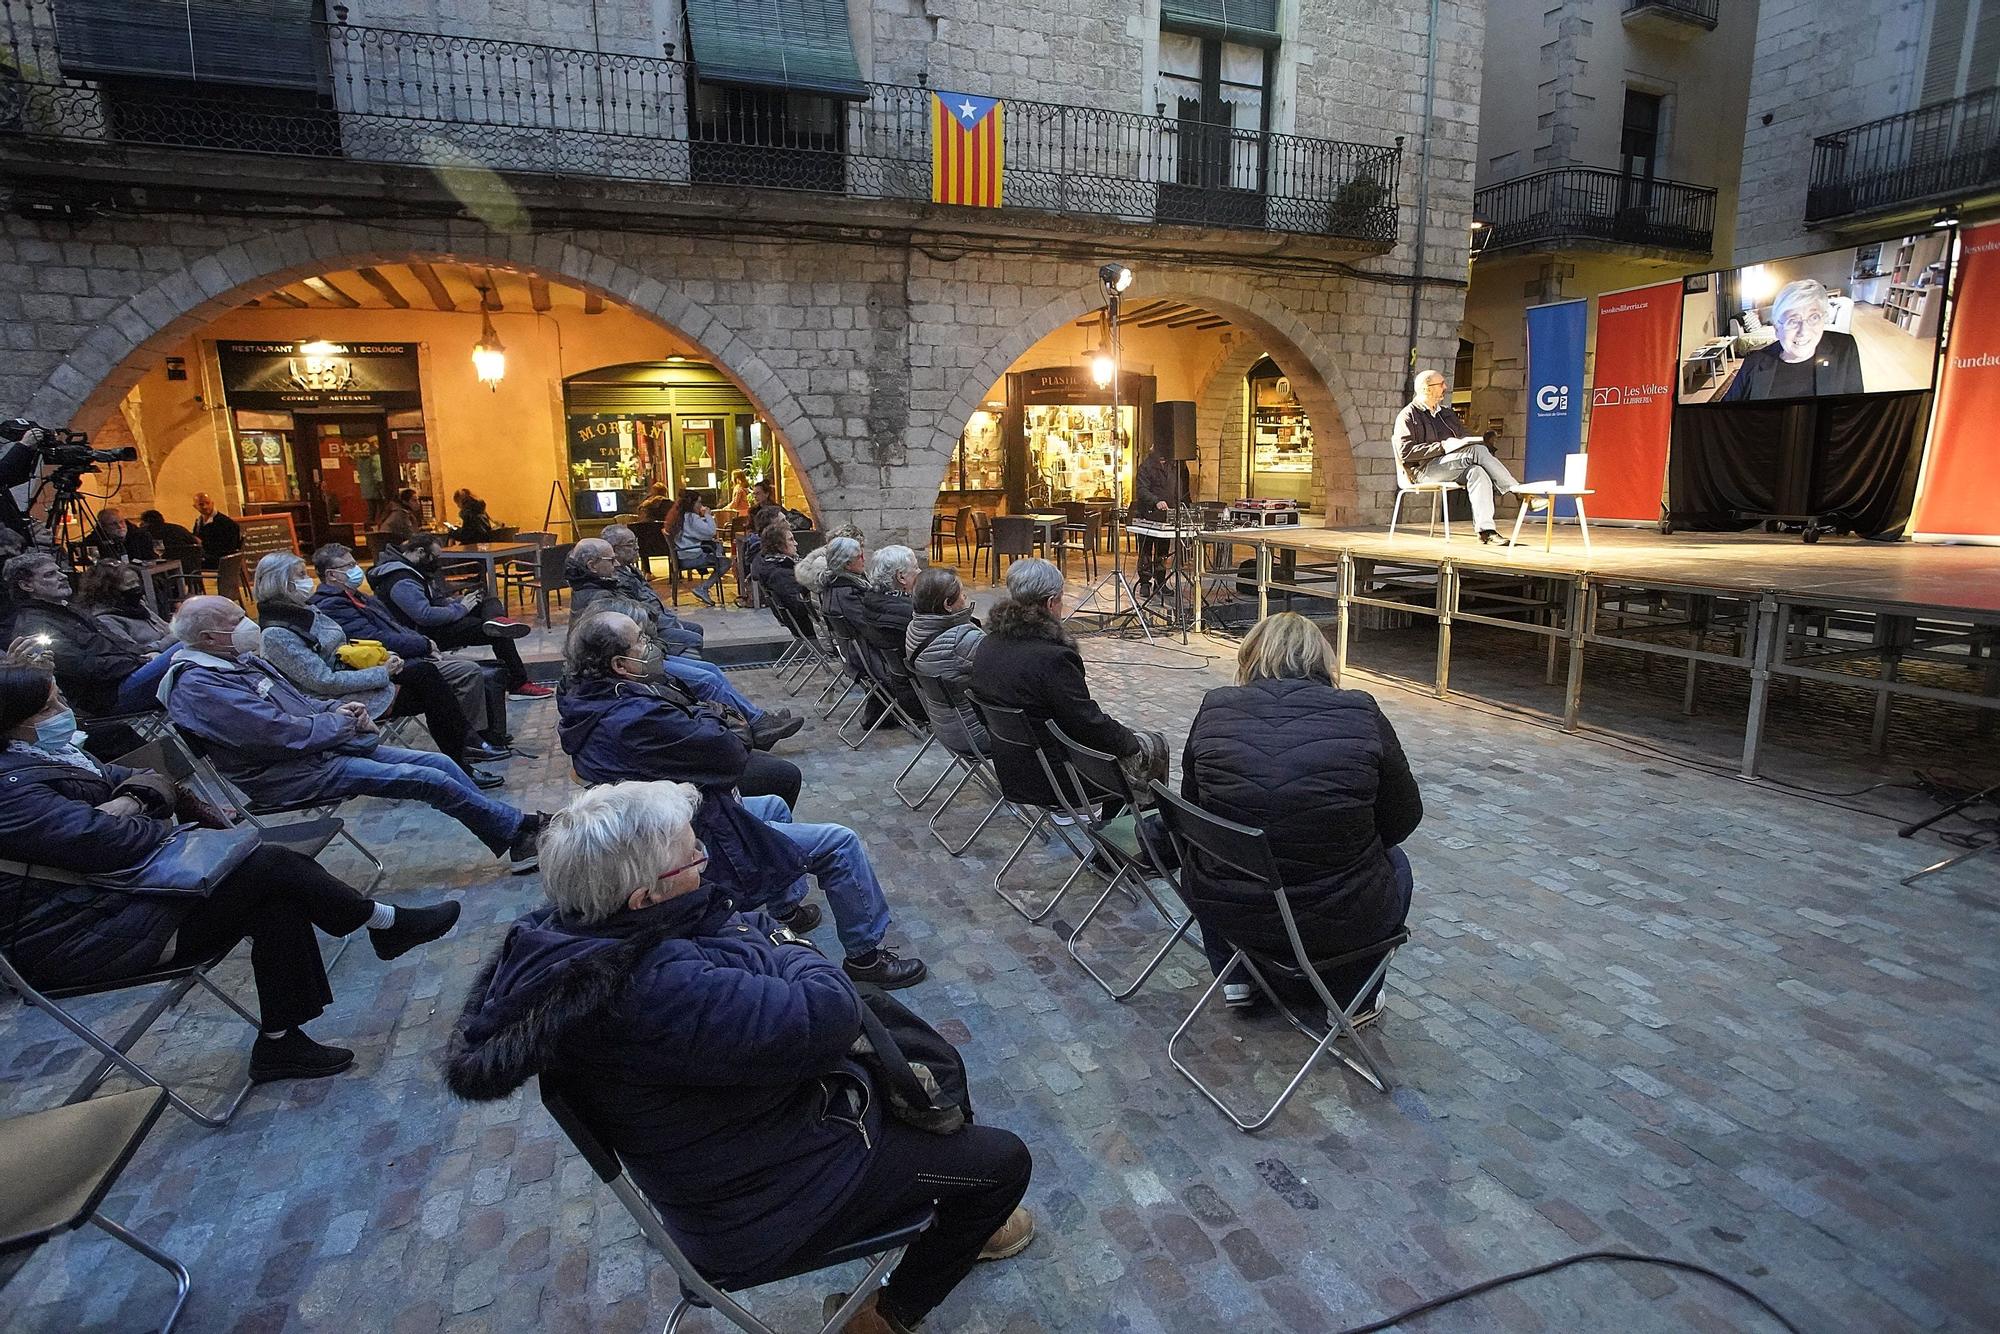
{"x":501,"y":627}
{"x":1370,"y":1012}
{"x":1238,"y":995}
{"x":530,"y":690}
{"x":801,"y":918}
{"x":295,"y":1056}
{"x":1063,"y":818}
{"x":414,"y":927}
{"x":485,"y":781}
{"x":774,"y":727}
{"x":885,"y":969}
{"x":525,"y":853}
{"x":1012,"y":1238}
{"x":1488,"y":537}
{"x":868,"y":1319}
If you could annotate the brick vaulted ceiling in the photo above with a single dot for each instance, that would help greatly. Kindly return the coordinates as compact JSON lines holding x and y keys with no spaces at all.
{"x":418,"y":286}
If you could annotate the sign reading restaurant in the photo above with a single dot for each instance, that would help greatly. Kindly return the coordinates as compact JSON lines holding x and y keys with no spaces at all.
{"x":284,"y":376}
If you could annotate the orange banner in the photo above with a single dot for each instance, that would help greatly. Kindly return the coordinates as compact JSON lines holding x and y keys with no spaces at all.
{"x":1632,"y":400}
{"x":1961,"y":486}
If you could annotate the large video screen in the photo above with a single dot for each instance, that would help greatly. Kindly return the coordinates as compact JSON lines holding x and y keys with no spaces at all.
{"x":1858,"y":321}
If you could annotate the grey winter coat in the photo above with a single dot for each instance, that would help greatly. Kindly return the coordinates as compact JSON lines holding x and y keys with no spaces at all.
{"x":940,"y":645}
{"x":300,"y":642}
{"x":136,"y":628}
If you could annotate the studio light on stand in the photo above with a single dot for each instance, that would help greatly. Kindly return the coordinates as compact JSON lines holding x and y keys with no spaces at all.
{"x":1105,"y":366}
{"x":489,"y":355}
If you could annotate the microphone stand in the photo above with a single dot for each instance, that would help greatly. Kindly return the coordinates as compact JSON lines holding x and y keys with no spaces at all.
{"x":1120,"y":617}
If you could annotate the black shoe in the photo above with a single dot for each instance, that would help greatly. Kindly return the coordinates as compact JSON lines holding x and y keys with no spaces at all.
{"x":802,"y":918}
{"x":502,"y":628}
{"x":414,"y":927}
{"x":1488,"y":537}
{"x":483,"y":780}
{"x":485,"y":752}
{"x":774,"y":727}
{"x":295,"y":1056}
{"x":525,"y":852}
{"x":884,"y":969}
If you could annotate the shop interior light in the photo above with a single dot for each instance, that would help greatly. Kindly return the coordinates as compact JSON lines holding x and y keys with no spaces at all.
{"x":1102,"y":369}
{"x":489,"y":356}
{"x":1946,"y":217}
{"x":1115,"y":277}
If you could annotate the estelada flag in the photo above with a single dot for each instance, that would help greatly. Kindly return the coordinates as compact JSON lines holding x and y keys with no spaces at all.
{"x":968,"y":149}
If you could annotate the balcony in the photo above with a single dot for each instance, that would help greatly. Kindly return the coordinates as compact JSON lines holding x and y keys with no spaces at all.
{"x":1672,"y":18}
{"x":392,"y":97}
{"x":1592,"y":208}
{"x":1942,"y":153}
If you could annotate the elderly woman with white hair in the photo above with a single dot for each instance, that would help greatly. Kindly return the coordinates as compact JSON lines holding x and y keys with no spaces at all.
{"x":1810,"y":359}
{"x":311,"y":650}
{"x":712,"y":1050}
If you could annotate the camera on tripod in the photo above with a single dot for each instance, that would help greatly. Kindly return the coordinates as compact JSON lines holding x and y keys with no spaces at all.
{"x":66,"y":450}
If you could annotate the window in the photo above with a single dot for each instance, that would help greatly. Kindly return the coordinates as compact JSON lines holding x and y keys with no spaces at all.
{"x":1219,"y":91}
{"x":768,"y":136}
{"x":1639,"y":144}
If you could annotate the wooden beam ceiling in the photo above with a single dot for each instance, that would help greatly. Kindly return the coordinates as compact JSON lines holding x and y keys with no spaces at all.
{"x":380,"y":282}
{"x":434,"y":287}
{"x":328,"y":292}
{"x":538,"y":295}
{"x":593,"y":304}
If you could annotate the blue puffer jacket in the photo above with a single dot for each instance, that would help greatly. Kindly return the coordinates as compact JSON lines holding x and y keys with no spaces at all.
{"x":625,"y":731}
{"x":63,"y":934}
{"x":711,"y":1059}
{"x":363,"y":616}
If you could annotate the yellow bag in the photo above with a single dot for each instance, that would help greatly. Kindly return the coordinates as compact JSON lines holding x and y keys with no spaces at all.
{"x":360,"y":654}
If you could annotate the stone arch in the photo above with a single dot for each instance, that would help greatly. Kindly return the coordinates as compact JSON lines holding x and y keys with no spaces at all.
{"x":1298,"y":349}
{"x":97,"y":374}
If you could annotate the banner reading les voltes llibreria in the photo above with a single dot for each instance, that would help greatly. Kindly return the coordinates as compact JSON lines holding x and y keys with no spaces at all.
{"x":1632,"y":399}
{"x":1961,"y":483}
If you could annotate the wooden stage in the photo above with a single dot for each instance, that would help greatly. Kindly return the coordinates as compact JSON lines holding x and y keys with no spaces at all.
{"x":1847,"y":611}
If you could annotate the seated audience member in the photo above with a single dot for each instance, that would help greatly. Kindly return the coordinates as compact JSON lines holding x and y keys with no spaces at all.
{"x":64,"y":811}
{"x":710,"y":1050}
{"x":813,"y":573}
{"x":675,"y":634}
{"x":304,"y":645}
{"x":764,"y":507}
{"x":474,"y":523}
{"x":940,"y":644}
{"x":592,"y":571}
{"x":656,"y":504}
{"x":399,"y":521}
{"x":98,"y":671}
{"x":1028,"y":661}
{"x":846,"y":587}
{"x":776,"y":570}
{"x":112,"y":592}
{"x":1321,"y":772}
{"x":218,"y":534}
{"x":886,"y":614}
{"x":618,"y":724}
{"x":690,"y":527}
{"x":119,"y":539}
{"x":282,"y":746}
{"x":171,"y":538}
{"x":405,"y":577}
{"x":481,"y":691}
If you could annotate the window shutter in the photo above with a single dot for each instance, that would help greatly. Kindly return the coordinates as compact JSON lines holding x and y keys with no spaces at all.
{"x":803,"y":46}
{"x":264,"y":43}
{"x":1247,"y":22}
{"x":1947,"y":45}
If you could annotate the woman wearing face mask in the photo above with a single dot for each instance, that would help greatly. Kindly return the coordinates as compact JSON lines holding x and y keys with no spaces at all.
{"x":111,"y":593}
{"x":64,"y":811}
{"x":303,"y":644}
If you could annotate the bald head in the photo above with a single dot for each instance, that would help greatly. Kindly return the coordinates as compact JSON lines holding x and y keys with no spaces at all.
{"x":206,"y":623}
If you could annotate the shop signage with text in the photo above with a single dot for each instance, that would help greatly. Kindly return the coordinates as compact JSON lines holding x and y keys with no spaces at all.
{"x":278,"y":376}
{"x":1632,"y":399}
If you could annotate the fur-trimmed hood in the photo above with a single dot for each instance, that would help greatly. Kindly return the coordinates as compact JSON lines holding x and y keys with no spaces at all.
{"x":1016,"y":620}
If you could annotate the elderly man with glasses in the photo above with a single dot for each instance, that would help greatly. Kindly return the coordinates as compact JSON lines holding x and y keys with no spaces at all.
{"x":1432,"y":445}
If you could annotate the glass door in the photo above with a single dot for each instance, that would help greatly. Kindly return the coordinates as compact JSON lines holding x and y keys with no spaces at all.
{"x":343,"y":477}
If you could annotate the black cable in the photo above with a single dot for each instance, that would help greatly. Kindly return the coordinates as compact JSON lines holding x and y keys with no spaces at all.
{"x":1633,"y":1257}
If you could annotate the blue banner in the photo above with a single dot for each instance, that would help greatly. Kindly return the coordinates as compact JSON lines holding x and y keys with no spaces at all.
{"x":1556,"y":337}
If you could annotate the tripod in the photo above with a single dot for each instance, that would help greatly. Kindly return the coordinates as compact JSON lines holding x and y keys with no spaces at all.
{"x":1991,"y":794}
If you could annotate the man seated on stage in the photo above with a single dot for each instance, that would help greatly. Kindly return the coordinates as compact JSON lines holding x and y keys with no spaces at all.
{"x":281,"y":746}
{"x":403,"y":577}
{"x":1434,"y":446}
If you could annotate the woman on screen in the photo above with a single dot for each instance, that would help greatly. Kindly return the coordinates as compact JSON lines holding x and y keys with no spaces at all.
{"x":1809,"y":360}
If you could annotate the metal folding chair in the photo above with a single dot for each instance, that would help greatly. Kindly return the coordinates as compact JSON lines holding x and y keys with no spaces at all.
{"x":1096,"y":778}
{"x":946,"y":704}
{"x":882,"y":1251}
{"x":1011,"y":732}
{"x":1201,"y":838}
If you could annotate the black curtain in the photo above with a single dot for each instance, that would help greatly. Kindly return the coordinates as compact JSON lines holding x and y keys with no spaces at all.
{"x":1853,"y":460}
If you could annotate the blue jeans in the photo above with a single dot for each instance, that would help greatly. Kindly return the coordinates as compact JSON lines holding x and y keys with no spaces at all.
{"x":426,"y":776}
{"x":710,"y":682}
{"x":676,"y":635}
{"x":834,"y":856}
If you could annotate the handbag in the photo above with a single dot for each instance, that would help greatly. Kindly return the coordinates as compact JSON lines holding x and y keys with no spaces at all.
{"x":917,"y":1069}
{"x":190,"y":863}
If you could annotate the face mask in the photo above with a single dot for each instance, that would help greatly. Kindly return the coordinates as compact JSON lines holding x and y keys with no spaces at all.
{"x":132,"y":597}
{"x":353,"y":576}
{"x":246,"y":637}
{"x":57,"y":731}
{"x":304,"y":587}
{"x":645,"y":664}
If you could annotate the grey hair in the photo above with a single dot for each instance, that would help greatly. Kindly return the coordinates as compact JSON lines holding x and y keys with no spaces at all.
{"x":324,"y":557}
{"x":1033,"y":581}
{"x":590,"y":548}
{"x":620,"y":530}
{"x":840,"y":553}
{"x":1804,"y":292}
{"x":610,"y":841}
{"x":273,"y":581}
{"x":887,"y":564}
{"x":597,"y":638}
{"x":19,"y":569}
{"x":201,"y":614}
{"x":849,"y":529}
{"x":1429,"y":374}
{"x":811,"y":570}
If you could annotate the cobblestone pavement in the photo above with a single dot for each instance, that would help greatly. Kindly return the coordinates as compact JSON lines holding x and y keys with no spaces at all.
{"x":1645,"y":1008}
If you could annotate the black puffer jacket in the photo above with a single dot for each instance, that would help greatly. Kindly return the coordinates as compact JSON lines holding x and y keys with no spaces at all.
{"x":1029,"y":662}
{"x":779,"y":576}
{"x":1321,"y":772}
{"x":90,"y":664}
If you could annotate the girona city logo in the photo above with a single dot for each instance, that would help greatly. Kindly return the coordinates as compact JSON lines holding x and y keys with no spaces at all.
{"x":1552,"y":398}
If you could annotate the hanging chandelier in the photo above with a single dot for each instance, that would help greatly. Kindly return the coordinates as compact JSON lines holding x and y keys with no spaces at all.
{"x":489,"y":355}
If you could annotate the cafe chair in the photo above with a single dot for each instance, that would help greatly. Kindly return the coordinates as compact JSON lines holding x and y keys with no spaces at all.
{"x":1199,"y":837}
{"x":1439,"y":492}
{"x":882,"y":1251}
{"x":982,"y":534}
{"x":1081,"y":537}
{"x":61,"y":1164}
{"x":1574,"y":486}
{"x":1014,"y":536}
{"x":653,"y":545}
{"x":550,"y":579}
{"x":1011,"y":733}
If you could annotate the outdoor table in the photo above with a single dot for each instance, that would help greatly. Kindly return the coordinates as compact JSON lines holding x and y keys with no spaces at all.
{"x":488,"y":555}
{"x":1051,"y":526}
{"x":152,"y":569}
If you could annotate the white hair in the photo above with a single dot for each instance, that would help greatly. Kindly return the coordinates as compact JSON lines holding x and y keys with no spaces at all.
{"x":610,"y":841}
{"x":887,"y":564}
{"x":1426,"y":375}
{"x":1033,"y":581}
{"x":1804,"y":292}
{"x":273,"y":580}
{"x":201,"y":614}
{"x":840,"y":553}
{"x":589,"y":548}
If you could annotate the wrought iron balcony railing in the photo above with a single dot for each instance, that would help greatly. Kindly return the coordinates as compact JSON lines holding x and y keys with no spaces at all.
{"x":1700,"y":13}
{"x":1571,"y":205}
{"x":415,"y":98}
{"x":1935,"y":154}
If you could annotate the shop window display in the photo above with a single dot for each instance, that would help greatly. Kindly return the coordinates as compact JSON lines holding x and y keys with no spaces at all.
{"x":1072,"y":454}
{"x":1281,"y":438}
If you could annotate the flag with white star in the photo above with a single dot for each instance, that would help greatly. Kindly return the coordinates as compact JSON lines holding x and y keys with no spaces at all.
{"x":968,"y":149}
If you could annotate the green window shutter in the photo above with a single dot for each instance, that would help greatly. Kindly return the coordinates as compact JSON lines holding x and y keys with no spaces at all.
{"x":802,"y":46}
{"x":264,"y":43}
{"x":1245,"y":22}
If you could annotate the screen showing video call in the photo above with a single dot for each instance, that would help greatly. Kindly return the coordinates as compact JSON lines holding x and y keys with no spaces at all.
{"x":1864,"y":320}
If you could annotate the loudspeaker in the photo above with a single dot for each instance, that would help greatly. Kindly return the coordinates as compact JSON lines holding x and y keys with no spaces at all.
{"x":1173,"y":428}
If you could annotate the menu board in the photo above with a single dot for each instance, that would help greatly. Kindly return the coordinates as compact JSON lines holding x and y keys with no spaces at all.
{"x":265,"y":533}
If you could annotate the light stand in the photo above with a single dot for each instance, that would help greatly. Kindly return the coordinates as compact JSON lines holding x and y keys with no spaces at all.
{"x":1116,"y":278}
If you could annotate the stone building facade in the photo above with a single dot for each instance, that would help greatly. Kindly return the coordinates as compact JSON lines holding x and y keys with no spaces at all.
{"x":867,"y":330}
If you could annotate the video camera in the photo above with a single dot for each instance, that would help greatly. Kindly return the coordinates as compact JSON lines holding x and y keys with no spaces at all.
{"x":60,"y":448}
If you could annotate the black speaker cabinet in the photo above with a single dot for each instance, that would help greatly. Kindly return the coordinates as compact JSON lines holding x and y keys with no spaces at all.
{"x":1173,"y":427}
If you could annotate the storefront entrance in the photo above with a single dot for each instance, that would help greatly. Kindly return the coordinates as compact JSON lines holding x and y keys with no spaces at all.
{"x":1278,"y":450}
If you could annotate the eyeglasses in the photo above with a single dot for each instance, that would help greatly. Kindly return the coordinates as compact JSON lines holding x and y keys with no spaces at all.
{"x":700,"y":860}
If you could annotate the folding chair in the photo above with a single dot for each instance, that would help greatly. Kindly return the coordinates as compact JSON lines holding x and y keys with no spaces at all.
{"x":1198,"y":838}
{"x":946,"y":703}
{"x":882,"y":1251}
{"x":59,"y":1166}
{"x":871,"y":673}
{"x":1011,"y":732}
{"x":1096,"y":778}
{"x":1439,"y":492}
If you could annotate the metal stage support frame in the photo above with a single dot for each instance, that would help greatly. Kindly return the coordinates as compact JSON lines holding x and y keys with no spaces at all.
{"x":1773,"y":635}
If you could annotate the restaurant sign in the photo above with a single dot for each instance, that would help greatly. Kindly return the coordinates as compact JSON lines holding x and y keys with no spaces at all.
{"x":280,"y":376}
